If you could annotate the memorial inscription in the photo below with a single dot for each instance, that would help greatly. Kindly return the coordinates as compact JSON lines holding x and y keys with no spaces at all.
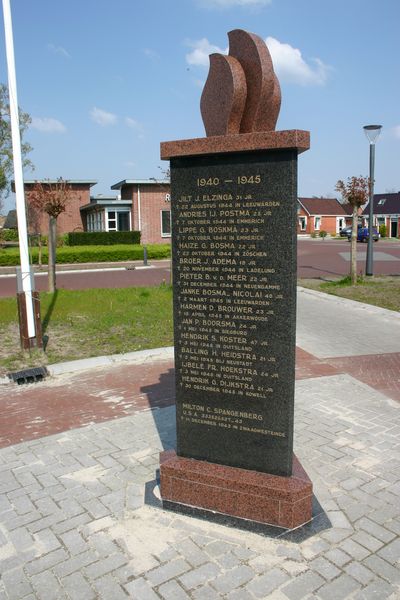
{"x":234,"y":264}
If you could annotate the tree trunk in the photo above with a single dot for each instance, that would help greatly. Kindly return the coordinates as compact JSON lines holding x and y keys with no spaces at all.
{"x":40,"y":249}
{"x":52,"y":244}
{"x":353,"y":253}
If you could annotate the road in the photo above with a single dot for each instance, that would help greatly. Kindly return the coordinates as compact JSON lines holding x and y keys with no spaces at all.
{"x":316,"y":258}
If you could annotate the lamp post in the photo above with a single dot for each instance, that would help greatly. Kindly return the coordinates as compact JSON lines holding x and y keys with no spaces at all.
{"x":372,"y":132}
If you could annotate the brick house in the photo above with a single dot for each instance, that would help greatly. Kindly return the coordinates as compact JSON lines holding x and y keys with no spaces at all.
{"x":386,"y":211}
{"x":150,"y":208}
{"x":71,"y":219}
{"x":321,"y":214}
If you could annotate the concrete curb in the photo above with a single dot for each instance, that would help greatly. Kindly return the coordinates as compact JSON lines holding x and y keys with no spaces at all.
{"x":368,"y":308}
{"x":85,"y":364}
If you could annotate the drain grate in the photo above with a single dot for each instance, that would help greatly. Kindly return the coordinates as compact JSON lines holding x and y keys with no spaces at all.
{"x":28,"y":375}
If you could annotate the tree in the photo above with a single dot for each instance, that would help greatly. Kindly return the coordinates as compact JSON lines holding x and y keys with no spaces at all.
{"x":52,"y":199}
{"x":6,"y":155}
{"x":356,"y":192}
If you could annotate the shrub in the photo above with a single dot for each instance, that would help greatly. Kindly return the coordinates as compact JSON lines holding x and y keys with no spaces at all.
{"x":323,"y":234}
{"x":102,"y":238}
{"x":9,"y":235}
{"x":313,"y":235}
{"x":83,"y":254}
{"x":383,"y":230}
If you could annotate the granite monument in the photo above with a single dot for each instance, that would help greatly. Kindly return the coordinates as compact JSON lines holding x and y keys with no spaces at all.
{"x":234,"y":209}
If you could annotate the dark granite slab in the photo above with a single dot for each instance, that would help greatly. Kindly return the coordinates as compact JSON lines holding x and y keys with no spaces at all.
{"x":234,"y":271}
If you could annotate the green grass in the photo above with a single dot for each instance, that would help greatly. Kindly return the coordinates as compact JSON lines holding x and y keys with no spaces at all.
{"x":383,"y":291}
{"x":80,"y":324}
{"x":83,"y":254}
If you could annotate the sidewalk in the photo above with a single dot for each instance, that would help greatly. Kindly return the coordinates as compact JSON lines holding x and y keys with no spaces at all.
{"x":79,"y":448}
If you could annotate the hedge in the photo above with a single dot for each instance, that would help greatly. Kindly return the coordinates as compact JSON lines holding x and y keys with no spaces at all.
{"x":9,"y":235}
{"x":102,"y":238}
{"x":87,"y":254}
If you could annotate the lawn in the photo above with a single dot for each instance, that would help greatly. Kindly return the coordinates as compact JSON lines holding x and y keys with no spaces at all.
{"x":80,"y":324}
{"x":383,"y":291}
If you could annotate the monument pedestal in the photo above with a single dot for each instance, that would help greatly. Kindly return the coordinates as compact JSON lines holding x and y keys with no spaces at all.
{"x":260,"y":497}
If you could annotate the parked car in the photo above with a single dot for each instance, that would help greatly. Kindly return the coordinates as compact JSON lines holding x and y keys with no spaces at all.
{"x":346,"y":231}
{"x":363,"y":234}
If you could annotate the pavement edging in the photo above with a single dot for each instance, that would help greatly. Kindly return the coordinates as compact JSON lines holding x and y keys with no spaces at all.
{"x":371,"y":308}
{"x":84,"y":364}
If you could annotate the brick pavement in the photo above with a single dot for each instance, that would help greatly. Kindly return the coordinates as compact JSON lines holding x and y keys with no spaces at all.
{"x":73,"y":523}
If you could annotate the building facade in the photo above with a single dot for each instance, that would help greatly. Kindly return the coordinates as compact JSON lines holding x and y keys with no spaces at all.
{"x":71,"y":219}
{"x":321,"y":214}
{"x":386,"y":211}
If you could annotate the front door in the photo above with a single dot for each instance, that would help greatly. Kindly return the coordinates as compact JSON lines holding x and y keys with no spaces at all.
{"x":394,"y":228}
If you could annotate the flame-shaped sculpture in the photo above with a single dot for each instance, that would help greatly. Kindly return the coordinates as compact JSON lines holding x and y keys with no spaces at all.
{"x":242,"y":93}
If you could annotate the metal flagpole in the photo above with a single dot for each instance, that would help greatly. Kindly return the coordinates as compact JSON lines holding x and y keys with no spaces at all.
{"x":18,"y":174}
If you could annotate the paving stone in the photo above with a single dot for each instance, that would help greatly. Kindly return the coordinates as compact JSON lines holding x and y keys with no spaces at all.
{"x":325,"y":568}
{"x":16,"y":584}
{"x":378,"y":590}
{"x":105,"y":565}
{"x":383,"y":568}
{"x":338,"y":557}
{"x":304,"y":584}
{"x":206,"y":592}
{"x":339,"y":588}
{"x":141,"y":590}
{"x":367,"y":540}
{"x":47,"y":587}
{"x":75,"y":563}
{"x":78,"y":588}
{"x":391,"y":552}
{"x":201,"y":575}
{"x":353,"y":549}
{"x":359,"y":572}
{"x":263,"y":585}
{"x":376,"y":530}
{"x":172,"y":591}
{"x":74,"y":542}
{"x":233,"y":579}
{"x":108,"y":588}
{"x":167,"y":571}
{"x":46,"y":562}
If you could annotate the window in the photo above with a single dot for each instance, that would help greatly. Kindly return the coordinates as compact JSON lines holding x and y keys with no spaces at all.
{"x":118,"y":220}
{"x":382,"y":201}
{"x":303,"y":223}
{"x":317,"y":223}
{"x":165,"y":223}
{"x":95,"y":221}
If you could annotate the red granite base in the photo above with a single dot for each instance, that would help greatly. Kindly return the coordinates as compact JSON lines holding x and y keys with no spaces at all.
{"x":261,"y":497}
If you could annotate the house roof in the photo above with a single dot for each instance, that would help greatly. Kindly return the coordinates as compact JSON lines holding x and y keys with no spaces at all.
{"x":322,"y":206}
{"x":120,"y":184}
{"x":31,"y":182}
{"x":385,"y":204}
{"x":105,"y":201}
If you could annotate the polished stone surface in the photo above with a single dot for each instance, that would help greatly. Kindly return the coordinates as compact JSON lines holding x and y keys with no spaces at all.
{"x":282,"y":501}
{"x":263,"y":99}
{"x":234,"y":264}
{"x":224,"y":96}
{"x":260,"y":140}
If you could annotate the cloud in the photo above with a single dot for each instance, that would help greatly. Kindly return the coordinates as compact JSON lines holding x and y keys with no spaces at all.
{"x":48,"y":125}
{"x":234,"y":3}
{"x":291,"y":67}
{"x":138,"y":127}
{"x":396,"y":131}
{"x":152,"y":54}
{"x":58,"y":50}
{"x":201,"y":50}
{"x":102,"y":117}
{"x":289,"y":64}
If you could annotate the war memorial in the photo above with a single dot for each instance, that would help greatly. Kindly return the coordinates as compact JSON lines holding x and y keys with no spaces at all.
{"x":234,"y":196}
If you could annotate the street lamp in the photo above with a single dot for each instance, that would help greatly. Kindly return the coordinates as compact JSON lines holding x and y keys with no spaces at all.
{"x":372,"y":132}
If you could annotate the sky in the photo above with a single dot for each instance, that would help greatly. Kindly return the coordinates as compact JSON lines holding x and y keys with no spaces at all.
{"x":106,"y":82}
